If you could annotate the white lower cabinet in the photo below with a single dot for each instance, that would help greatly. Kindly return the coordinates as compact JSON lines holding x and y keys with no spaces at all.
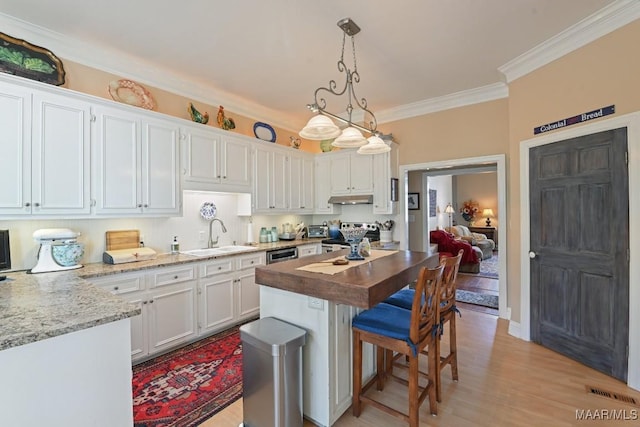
{"x":171,"y":307}
{"x":187,"y":301}
{"x":228,"y":291}
{"x":309,"y":249}
{"x":167,"y":298}
{"x":215,"y":291}
{"x":131,"y":287}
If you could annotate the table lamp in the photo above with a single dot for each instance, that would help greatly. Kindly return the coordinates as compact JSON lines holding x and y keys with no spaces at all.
{"x":449,"y":210}
{"x":488,"y":212}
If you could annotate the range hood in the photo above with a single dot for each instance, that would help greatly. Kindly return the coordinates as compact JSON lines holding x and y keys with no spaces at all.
{"x":363,"y":199}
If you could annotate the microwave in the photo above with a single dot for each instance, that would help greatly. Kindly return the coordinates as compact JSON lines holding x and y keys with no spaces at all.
{"x":317,"y":231}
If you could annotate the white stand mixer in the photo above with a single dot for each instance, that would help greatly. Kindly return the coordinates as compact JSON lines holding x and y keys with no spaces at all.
{"x":58,"y":251}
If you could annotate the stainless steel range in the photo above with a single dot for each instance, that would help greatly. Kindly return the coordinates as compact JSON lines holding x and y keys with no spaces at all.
{"x":330,"y":245}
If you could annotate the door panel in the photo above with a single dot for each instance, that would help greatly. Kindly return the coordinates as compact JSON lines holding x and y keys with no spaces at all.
{"x":580,"y":234}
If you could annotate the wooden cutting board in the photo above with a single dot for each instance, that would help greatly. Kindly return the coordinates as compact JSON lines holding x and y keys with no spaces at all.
{"x":122,"y":239}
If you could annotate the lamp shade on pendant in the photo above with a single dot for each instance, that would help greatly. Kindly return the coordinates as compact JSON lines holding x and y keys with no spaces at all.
{"x":320,"y":127}
{"x":375,"y":145}
{"x":350,"y":138}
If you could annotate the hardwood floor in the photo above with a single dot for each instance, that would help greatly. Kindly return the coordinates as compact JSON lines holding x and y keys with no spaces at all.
{"x":504,"y":381}
{"x":483,"y":285}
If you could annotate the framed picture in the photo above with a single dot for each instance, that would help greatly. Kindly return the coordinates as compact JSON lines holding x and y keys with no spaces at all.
{"x":24,"y":59}
{"x":413,"y":201}
{"x":433,"y":198}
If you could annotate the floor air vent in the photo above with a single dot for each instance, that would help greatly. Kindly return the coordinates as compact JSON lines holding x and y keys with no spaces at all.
{"x":612,"y":395}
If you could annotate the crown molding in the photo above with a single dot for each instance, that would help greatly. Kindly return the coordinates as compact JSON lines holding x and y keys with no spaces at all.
{"x":604,"y":21}
{"x":459,"y":99}
{"x":128,"y":66}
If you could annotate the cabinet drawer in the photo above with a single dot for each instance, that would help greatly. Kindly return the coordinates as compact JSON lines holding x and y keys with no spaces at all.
{"x":174,"y":275}
{"x":120,"y":284}
{"x":250,"y":261}
{"x":224,"y":265}
{"x":308,"y":250}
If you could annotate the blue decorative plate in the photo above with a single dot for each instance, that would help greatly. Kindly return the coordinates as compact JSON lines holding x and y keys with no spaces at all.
{"x":264,"y":132}
{"x":208,"y":210}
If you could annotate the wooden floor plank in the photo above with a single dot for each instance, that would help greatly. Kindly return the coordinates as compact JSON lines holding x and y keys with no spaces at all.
{"x":504,"y":381}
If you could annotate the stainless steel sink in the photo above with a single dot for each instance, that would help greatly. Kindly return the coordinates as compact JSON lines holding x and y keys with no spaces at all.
{"x":223,"y":250}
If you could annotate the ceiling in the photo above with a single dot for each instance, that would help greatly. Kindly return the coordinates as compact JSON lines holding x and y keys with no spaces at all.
{"x":269,"y":56}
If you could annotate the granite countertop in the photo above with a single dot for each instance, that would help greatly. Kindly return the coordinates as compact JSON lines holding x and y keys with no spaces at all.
{"x":35,"y":307}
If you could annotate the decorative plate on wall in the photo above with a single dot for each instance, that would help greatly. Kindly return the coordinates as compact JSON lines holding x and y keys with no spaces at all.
{"x":130,"y":92}
{"x":264,"y":132}
{"x":208,"y":210}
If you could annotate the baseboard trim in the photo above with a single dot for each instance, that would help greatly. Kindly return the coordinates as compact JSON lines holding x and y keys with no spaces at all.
{"x":514,"y":329}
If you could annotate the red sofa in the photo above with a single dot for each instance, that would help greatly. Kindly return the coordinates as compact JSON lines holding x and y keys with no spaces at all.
{"x":447,"y":244}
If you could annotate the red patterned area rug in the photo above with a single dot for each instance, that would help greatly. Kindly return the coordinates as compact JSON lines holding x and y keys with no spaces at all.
{"x":189,"y":385}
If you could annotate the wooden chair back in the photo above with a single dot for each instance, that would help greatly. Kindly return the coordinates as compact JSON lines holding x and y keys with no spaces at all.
{"x":449,"y":277}
{"x":425,"y":311}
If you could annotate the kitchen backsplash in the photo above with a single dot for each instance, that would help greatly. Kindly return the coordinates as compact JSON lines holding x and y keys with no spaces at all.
{"x":157,"y":233}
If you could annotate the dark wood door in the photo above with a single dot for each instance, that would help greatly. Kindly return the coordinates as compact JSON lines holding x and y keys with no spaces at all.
{"x":580,"y":237}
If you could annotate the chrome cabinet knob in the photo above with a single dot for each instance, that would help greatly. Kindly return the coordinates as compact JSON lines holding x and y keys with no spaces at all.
{"x":532,"y":254}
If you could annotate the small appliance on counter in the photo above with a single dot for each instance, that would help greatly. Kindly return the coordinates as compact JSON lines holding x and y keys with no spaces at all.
{"x":59,"y":250}
{"x":317,"y":231}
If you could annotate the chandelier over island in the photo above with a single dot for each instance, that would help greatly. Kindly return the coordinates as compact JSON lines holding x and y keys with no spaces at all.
{"x":321,"y":127}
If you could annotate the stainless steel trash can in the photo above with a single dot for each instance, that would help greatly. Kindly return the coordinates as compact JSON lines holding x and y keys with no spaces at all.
{"x":272,"y":373}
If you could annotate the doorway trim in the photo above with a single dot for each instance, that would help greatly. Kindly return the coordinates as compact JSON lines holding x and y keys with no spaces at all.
{"x":632,"y":123}
{"x":500,"y":162}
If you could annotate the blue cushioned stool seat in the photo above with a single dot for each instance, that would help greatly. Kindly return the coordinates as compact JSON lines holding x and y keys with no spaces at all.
{"x":403,"y":299}
{"x":385,"y":319}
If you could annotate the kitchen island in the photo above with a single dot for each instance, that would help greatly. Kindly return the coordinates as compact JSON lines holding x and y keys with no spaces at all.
{"x":323,"y":305}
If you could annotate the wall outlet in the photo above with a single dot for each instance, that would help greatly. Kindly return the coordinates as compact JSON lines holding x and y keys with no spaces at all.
{"x":316,"y":303}
{"x":202,"y":236}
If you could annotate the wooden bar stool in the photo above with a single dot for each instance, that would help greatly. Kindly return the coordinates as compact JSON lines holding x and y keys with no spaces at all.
{"x":448,"y":312}
{"x":407,"y":332}
{"x":404,"y":299}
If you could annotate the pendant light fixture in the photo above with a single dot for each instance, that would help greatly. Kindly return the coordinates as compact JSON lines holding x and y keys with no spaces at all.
{"x":321,"y":127}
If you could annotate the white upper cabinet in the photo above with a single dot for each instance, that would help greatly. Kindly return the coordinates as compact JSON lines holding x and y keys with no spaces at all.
{"x":386,"y":167}
{"x":351,"y":173}
{"x":215,"y":162}
{"x":135,"y":164}
{"x":323,"y":186}
{"x":45,"y":142}
{"x":271,"y":187}
{"x":301,"y":182}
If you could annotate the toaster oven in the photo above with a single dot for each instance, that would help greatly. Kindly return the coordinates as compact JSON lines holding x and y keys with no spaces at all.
{"x":317,"y":231}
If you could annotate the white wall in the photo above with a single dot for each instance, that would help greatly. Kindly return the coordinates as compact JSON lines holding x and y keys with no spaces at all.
{"x":481,"y":188}
{"x":157,"y":233}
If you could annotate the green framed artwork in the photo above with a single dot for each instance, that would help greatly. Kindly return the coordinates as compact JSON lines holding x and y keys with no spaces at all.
{"x":21,"y":58}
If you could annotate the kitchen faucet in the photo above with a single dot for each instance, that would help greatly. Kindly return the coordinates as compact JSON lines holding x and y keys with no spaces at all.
{"x":212,"y":243}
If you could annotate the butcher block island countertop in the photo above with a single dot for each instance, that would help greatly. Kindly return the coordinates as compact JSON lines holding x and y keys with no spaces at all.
{"x":361,"y":286}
